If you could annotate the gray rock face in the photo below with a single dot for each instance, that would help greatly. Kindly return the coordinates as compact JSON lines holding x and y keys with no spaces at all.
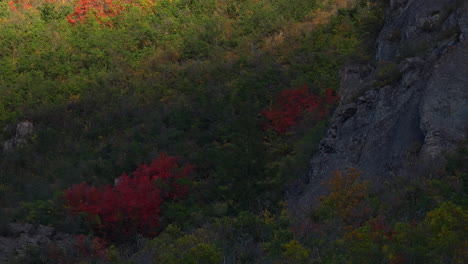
{"x":23,"y":237}
{"x":410,"y":124}
{"x":23,"y":131}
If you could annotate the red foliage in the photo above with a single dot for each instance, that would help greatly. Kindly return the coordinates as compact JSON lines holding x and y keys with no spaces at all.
{"x":291,"y":105}
{"x":24,"y":4}
{"x":133,"y":204}
{"x":101,"y":9}
{"x":164,"y":170}
{"x":12,"y":6}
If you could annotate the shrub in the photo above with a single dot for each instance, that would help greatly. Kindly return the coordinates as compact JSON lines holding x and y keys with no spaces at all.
{"x":387,"y":73}
{"x":133,"y":204}
{"x":46,"y":212}
{"x":174,"y":247}
{"x":294,"y":252}
{"x":447,"y":230}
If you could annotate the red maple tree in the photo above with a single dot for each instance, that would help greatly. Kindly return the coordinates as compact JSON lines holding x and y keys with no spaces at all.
{"x":291,"y":104}
{"x":133,"y":204}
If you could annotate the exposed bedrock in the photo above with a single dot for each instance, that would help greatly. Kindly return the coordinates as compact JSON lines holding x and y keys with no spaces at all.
{"x":401,"y":114}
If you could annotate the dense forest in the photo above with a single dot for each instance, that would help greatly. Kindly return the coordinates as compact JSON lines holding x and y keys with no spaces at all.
{"x":168,"y":131}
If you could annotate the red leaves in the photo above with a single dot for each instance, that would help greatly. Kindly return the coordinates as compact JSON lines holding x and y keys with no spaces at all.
{"x":101,"y":9}
{"x":163,"y":169}
{"x":22,"y":3}
{"x":133,"y":204}
{"x":12,"y":6}
{"x":291,"y":105}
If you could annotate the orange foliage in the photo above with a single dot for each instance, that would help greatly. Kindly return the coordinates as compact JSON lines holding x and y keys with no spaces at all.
{"x":24,"y":4}
{"x":347,"y":196}
{"x":101,"y":8}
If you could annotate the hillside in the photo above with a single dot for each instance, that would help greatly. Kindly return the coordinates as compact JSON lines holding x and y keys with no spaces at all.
{"x":216,"y":131}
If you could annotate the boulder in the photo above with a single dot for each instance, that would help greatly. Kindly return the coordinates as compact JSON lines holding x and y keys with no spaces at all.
{"x":23,"y":131}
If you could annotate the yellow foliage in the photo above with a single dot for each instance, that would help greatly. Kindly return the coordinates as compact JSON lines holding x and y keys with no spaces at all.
{"x":294,"y":252}
{"x":267,"y":216}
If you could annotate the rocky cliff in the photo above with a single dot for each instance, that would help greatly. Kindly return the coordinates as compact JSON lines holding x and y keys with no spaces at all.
{"x":402,"y":113}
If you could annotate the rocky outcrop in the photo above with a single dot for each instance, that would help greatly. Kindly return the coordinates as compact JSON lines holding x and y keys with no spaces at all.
{"x":23,"y":131}
{"x":401,"y":114}
{"x":21,"y":238}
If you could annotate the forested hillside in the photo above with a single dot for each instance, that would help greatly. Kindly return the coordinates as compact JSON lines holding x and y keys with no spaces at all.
{"x":170,"y":131}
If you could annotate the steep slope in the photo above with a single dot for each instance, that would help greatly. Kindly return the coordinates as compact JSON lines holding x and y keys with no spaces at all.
{"x":401,"y":114}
